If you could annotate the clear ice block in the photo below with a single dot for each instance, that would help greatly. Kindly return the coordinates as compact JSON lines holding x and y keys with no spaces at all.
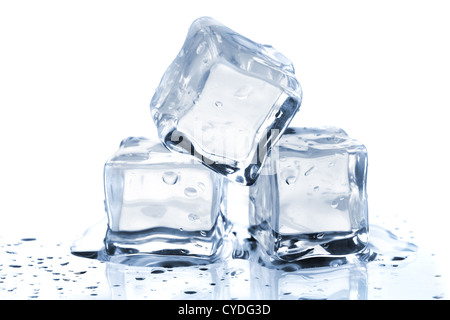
{"x":225,"y":100}
{"x":161,"y":202}
{"x":310,"y":199}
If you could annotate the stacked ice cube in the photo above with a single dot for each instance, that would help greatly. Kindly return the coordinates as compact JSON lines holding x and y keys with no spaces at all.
{"x":222,"y":111}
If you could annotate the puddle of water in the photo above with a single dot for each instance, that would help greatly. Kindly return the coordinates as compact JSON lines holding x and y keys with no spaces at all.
{"x":392,"y":268}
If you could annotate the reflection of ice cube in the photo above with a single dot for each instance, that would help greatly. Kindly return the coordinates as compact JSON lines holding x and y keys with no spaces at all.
{"x":162,"y":202}
{"x":167,"y":283}
{"x":225,"y":99}
{"x":310,"y":200}
{"x":348,"y":282}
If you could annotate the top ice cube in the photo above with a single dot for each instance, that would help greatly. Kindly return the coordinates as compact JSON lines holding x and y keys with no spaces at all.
{"x":225,"y":100}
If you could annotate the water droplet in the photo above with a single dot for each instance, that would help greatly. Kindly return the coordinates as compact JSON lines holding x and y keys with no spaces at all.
{"x":316,"y":188}
{"x":278,"y":114}
{"x":308,"y":172}
{"x":236,"y":272}
{"x":170,"y":177}
{"x":243,"y":92}
{"x":334,"y":204}
{"x":205,"y":61}
{"x":139,"y":278}
{"x":28,"y":239}
{"x":190,"y":192}
{"x":203,"y":233}
{"x":193,"y":217}
{"x":320,"y":235}
{"x":218,"y":103}
{"x":291,"y":180}
{"x":157,"y":271}
{"x":190,"y":292}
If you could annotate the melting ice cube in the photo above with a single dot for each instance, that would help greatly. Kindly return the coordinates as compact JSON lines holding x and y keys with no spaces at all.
{"x":310,"y":199}
{"x":225,"y":99}
{"x":162,"y":202}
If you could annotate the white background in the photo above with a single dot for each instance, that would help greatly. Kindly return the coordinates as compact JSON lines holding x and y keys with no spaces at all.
{"x":76,"y":77}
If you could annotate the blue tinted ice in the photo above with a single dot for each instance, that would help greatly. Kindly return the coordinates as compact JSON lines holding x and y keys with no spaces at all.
{"x":310,"y":199}
{"x":162,"y":202}
{"x":225,"y":99}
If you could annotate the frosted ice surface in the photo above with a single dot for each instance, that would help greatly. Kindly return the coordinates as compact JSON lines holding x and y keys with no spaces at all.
{"x":225,"y":99}
{"x":162,"y":202}
{"x":310,"y":199}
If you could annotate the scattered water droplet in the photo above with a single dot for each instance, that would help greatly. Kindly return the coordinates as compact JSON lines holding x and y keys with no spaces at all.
{"x":190,"y":192}
{"x":190,"y":292}
{"x":157,"y":271}
{"x":170,"y":177}
{"x":28,"y":239}
{"x":316,"y":188}
{"x":218,"y":103}
{"x":203,"y":233}
{"x":236,"y":272}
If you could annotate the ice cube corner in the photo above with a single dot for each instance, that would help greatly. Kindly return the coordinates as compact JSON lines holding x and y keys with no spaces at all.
{"x":225,"y":100}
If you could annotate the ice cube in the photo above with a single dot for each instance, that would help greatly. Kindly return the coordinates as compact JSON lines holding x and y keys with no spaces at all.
{"x":310,"y":199}
{"x":225,"y":100}
{"x":162,"y":202}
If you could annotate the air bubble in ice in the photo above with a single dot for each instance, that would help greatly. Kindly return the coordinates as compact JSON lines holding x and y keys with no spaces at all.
{"x":193,"y":217}
{"x":201,"y":48}
{"x":243,"y":92}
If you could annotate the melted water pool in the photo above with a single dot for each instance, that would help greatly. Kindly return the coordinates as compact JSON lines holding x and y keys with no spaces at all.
{"x":394,"y":267}
{"x":31,"y":268}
